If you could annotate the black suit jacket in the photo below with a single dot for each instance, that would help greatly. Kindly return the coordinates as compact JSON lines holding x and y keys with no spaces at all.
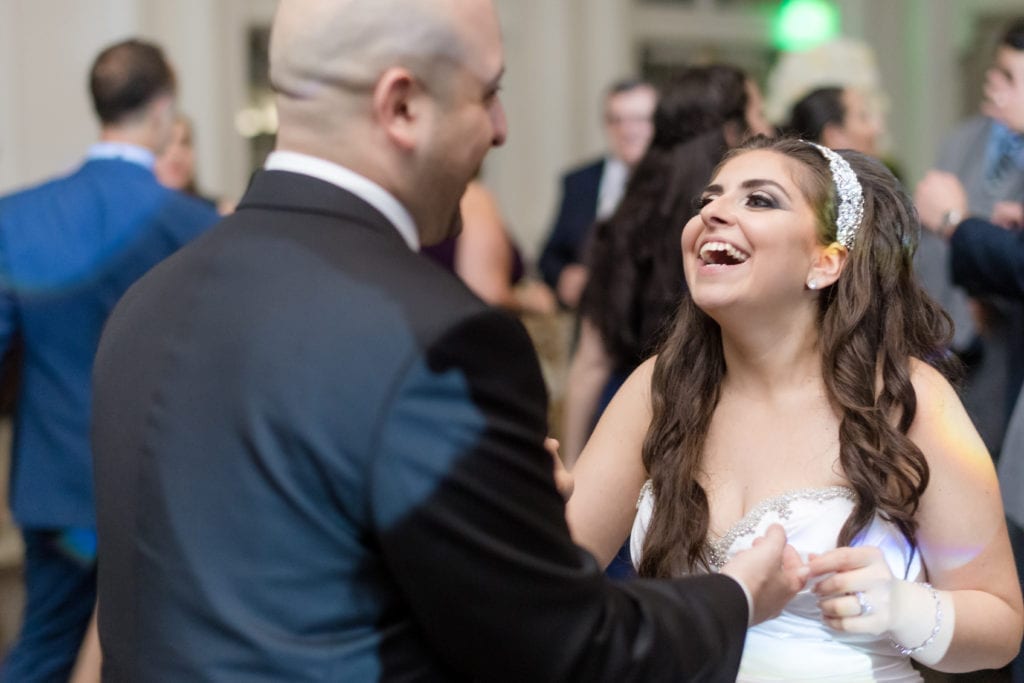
{"x":577,"y":211}
{"x":319,"y":458}
{"x":987,"y":259}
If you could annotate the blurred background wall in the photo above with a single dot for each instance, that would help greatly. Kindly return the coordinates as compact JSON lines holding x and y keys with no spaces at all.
{"x":930,"y":55}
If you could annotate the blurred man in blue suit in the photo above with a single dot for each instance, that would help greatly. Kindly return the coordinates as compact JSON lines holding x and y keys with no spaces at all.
{"x":69,"y":248}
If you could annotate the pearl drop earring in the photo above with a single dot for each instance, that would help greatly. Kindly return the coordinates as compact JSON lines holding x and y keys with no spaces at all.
{"x":812,"y":284}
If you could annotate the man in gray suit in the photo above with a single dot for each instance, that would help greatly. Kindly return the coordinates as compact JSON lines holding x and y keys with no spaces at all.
{"x":319,"y":457}
{"x":988,"y":259}
{"x":987,"y":156}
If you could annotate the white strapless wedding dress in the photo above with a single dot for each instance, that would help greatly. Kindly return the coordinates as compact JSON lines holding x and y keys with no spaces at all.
{"x":797,"y":645}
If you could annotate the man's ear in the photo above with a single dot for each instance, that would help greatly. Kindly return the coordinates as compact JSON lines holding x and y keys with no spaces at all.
{"x":397,"y":106}
{"x":827,"y":266}
{"x":159,"y":118}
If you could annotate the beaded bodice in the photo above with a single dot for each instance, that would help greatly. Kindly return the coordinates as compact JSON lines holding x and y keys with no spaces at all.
{"x":780,"y":506}
{"x":811,"y":516}
{"x":797,"y":645}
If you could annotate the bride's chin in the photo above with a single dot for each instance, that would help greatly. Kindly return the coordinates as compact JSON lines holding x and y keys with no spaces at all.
{"x":713,"y":308}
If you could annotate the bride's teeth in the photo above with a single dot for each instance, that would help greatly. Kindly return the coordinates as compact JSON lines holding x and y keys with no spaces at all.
{"x":733,"y":253}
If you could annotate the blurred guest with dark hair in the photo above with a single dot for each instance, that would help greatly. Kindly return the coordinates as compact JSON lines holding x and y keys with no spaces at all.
{"x":837,"y":117}
{"x":592,"y":191}
{"x":70,"y":248}
{"x":638,"y":277}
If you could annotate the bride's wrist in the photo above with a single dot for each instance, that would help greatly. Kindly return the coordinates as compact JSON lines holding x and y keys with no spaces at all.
{"x":921,"y":621}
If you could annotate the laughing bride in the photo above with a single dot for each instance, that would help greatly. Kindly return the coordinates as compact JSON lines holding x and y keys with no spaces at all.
{"x":802,"y":384}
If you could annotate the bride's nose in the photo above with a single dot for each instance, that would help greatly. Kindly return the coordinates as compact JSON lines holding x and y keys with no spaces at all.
{"x":717,"y":213}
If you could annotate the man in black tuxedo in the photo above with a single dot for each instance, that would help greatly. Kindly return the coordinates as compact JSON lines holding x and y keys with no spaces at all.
{"x":320,"y":457}
{"x":591,"y":191}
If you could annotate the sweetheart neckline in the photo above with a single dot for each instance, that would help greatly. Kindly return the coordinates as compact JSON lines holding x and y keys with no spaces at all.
{"x":718,"y":547}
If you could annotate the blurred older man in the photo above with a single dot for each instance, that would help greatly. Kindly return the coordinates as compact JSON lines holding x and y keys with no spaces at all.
{"x":593,"y":190}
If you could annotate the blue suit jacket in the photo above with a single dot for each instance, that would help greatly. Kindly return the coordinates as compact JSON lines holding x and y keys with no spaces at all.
{"x":319,"y":457}
{"x":576,"y":215}
{"x":68,"y":249}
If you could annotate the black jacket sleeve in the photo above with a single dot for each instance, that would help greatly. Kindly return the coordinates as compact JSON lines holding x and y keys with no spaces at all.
{"x":472,"y":527}
{"x":577,"y":210}
{"x":987,"y":259}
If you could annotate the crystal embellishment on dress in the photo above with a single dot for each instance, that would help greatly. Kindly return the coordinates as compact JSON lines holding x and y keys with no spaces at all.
{"x":646,"y":490}
{"x":718,"y":549}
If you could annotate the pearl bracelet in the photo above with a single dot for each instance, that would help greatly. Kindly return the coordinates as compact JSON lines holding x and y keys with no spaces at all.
{"x":907,"y":651}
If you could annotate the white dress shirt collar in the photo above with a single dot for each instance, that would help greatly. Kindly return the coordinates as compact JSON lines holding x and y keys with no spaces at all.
{"x":613,"y":186}
{"x":124,"y":151}
{"x":361,"y":186}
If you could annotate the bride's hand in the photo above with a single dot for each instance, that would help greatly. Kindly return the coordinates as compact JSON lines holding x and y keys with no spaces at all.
{"x":857,"y":590}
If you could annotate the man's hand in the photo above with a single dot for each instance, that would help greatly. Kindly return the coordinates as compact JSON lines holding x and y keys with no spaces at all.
{"x":941,"y":202}
{"x":564,"y":481}
{"x":1009,"y":215}
{"x":771,"y":570}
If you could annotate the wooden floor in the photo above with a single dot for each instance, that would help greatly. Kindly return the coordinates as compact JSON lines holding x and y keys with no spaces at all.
{"x":11,"y":601}
{"x":11,"y":593}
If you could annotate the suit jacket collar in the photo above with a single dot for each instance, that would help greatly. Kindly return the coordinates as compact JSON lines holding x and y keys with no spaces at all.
{"x":299,"y":193}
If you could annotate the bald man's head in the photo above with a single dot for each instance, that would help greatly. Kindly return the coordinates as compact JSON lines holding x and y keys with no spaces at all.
{"x":347,"y":44}
{"x":403,"y":92}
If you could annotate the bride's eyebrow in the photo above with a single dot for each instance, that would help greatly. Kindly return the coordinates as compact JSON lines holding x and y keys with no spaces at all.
{"x":755,"y":183}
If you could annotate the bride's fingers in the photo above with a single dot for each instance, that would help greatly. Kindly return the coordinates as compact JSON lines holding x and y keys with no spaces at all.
{"x":854,"y":624}
{"x":842,"y":606}
{"x":848,"y":582}
{"x":844,"y":559}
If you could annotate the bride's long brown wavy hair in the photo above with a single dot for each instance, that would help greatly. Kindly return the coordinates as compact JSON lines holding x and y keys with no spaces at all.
{"x":872,"y":321}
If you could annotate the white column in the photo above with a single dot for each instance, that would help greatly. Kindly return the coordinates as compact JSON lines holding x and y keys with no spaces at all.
{"x":541,"y":122}
{"x":9,"y":111}
{"x":606,"y":53}
{"x":193,"y":35}
{"x":49,"y":46}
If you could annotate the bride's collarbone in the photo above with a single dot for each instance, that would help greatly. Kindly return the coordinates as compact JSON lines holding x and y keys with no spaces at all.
{"x":758,"y":451}
{"x":748,"y":462}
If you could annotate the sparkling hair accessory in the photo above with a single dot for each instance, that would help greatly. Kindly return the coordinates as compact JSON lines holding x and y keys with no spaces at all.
{"x":851,"y":196}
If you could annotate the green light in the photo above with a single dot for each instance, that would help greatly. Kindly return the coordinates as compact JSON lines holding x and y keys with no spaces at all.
{"x":801,"y":24}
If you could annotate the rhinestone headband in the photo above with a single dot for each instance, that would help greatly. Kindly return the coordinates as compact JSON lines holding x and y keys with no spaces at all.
{"x":851,"y":196}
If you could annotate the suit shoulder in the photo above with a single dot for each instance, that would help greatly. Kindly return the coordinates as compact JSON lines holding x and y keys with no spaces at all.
{"x":188,"y":210}
{"x":585,"y":171}
{"x":975,"y":127}
{"x":39,"y":193}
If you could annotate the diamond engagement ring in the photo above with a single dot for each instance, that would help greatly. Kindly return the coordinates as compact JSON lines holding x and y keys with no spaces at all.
{"x":865,"y":606}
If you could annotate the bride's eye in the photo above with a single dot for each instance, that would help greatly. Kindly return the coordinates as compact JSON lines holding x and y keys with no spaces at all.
{"x":761,"y":200}
{"x":700,"y":202}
